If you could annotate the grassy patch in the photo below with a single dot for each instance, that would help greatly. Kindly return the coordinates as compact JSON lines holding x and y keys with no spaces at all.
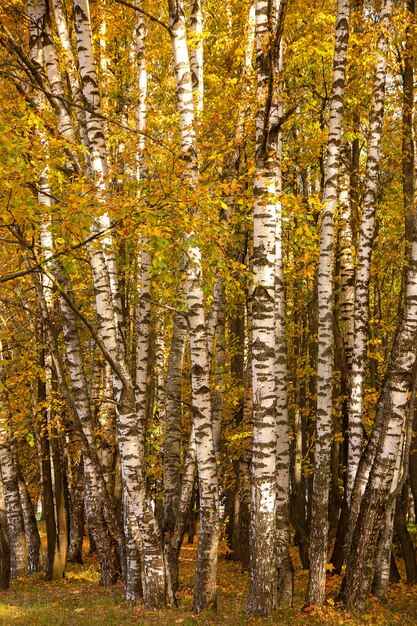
{"x":78,"y":600}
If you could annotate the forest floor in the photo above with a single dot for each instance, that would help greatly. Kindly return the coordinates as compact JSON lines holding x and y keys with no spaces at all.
{"x":79,"y":600}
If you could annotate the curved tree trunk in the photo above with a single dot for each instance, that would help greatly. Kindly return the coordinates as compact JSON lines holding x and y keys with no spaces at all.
{"x":392,"y":413}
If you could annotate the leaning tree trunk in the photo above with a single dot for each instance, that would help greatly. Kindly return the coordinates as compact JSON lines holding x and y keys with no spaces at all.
{"x":392,"y":413}
{"x":407,"y":548}
{"x":103,"y":265}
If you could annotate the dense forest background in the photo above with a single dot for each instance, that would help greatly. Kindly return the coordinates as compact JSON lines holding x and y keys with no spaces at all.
{"x":208,"y":300}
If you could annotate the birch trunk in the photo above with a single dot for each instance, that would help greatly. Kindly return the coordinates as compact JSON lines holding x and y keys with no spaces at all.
{"x":197,"y":54}
{"x":134,"y":566}
{"x":29,"y":519}
{"x":320,"y":497}
{"x":263,"y":588}
{"x":284,"y":563}
{"x":98,"y":507}
{"x":4,"y":542}
{"x":346,"y":257}
{"x":392,"y":413}
{"x":143,"y":314}
{"x":172,"y":446}
{"x":383,"y":555}
{"x":206,"y":566}
{"x":15,"y":521}
{"x":76,"y":517}
{"x":89,"y":83}
{"x":73,"y":77}
{"x":363,"y":273}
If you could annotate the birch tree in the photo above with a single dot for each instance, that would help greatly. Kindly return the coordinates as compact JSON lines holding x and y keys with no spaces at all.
{"x":324,"y":426}
{"x":364,"y":254}
{"x":392,"y":410}
{"x":206,"y":569}
{"x":269,"y":525}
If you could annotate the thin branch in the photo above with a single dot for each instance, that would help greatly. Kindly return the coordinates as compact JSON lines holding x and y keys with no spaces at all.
{"x":39,"y":265}
{"x":151,"y":17}
{"x":164,"y":306}
{"x":105,"y":118}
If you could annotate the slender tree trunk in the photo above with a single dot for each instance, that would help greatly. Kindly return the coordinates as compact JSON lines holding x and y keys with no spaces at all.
{"x":29,"y":518}
{"x":172,"y":446}
{"x":47,"y":486}
{"x":15,"y":521}
{"x":4,"y":542}
{"x":383,"y":555}
{"x":319,"y":512}
{"x":284,"y":564}
{"x":392,"y":413}
{"x":363,"y":273}
{"x":206,"y":565}
{"x":400,"y":526}
{"x":76,"y":517}
{"x":197,"y":53}
{"x":173,"y":547}
{"x":346,"y":257}
{"x":219,"y":368}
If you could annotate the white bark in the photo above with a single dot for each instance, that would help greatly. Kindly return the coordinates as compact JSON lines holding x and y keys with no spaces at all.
{"x":324,"y":427}
{"x":270,"y":565}
{"x":197,"y":54}
{"x":284,"y":563}
{"x":346,"y":258}
{"x":95,"y":131}
{"x":363,"y":274}
{"x":206,"y":567}
{"x":390,"y":423}
{"x":15,"y":522}
{"x":73,"y":77}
